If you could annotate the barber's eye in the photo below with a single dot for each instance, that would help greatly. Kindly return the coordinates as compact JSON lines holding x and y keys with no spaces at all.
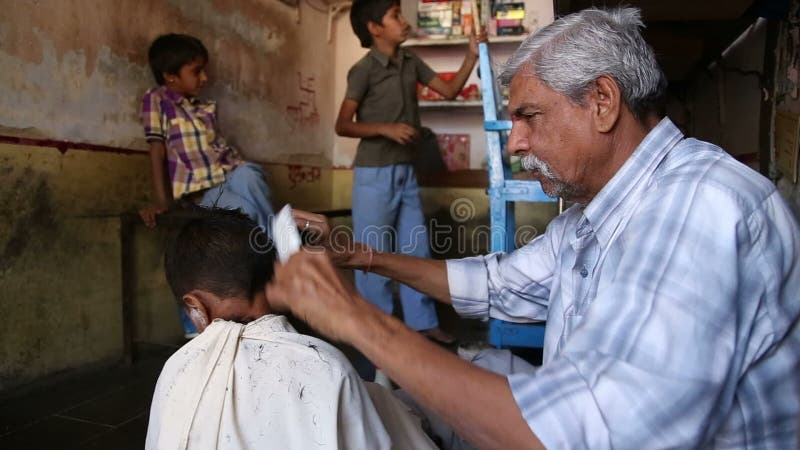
{"x":523,"y":116}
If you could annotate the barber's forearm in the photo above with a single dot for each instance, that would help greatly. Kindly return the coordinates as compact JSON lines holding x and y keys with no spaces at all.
{"x":478,"y":404}
{"x":425,"y":275}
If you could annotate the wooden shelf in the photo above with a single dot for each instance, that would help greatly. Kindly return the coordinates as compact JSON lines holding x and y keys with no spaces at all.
{"x":424,"y":42}
{"x":466,"y":178}
{"x":448,"y":104}
{"x":452,"y":104}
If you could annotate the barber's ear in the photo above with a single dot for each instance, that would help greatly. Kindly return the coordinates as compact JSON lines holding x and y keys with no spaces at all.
{"x":607,"y":98}
{"x":196,"y":310}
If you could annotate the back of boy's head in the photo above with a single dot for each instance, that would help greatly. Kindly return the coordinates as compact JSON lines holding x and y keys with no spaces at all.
{"x":169,"y":52}
{"x":364,"y":11}
{"x":222,"y":252}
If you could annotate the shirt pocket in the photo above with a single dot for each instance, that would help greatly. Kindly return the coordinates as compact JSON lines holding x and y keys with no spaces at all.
{"x":574,"y":316}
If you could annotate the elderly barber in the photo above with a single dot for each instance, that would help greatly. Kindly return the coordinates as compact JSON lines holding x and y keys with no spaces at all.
{"x":671,"y":288}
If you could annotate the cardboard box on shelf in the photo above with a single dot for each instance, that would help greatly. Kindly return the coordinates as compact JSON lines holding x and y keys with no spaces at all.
{"x":457,"y":29}
{"x":509,"y":11}
{"x":455,"y":150}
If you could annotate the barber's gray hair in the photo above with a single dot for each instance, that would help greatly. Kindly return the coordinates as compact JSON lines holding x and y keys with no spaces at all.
{"x":575,"y":50}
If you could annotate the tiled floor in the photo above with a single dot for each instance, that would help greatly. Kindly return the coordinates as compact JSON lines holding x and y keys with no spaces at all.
{"x":99,"y":409}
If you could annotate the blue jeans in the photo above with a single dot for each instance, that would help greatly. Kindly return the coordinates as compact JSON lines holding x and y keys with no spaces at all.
{"x":246,"y":189}
{"x":387,"y":216}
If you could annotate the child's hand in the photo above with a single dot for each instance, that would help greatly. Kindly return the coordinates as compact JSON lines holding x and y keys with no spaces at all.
{"x":401,"y":133}
{"x":474,"y":40}
{"x":149,"y":214}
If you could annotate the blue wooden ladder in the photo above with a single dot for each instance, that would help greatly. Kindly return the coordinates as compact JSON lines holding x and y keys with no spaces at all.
{"x":503,"y":192}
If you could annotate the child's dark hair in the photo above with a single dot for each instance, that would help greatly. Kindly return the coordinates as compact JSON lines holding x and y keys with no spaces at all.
{"x":169,"y":52}
{"x":364,"y":11}
{"x":223,"y":252}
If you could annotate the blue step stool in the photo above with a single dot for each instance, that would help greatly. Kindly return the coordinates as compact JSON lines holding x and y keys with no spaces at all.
{"x":503,"y":192}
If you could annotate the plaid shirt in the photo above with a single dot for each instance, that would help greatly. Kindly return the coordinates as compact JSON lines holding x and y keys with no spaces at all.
{"x":672,"y":303}
{"x":197,"y":156}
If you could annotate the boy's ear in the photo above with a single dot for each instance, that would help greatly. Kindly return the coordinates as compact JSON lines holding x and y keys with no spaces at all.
{"x":168,"y":77}
{"x":196,"y":310}
{"x":374,"y":28}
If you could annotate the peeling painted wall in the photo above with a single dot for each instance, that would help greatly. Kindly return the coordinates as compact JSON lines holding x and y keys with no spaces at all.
{"x":80,"y":68}
{"x":75,"y":70}
{"x":60,"y":257}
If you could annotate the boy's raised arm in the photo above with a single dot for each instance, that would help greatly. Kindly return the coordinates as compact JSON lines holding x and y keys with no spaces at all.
{"x":345,"y":126}
{"x":161,"y":198}
{"x":451,"y":89}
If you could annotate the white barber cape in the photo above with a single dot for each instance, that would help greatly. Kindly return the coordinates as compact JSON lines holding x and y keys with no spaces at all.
{"x":265,"y":386}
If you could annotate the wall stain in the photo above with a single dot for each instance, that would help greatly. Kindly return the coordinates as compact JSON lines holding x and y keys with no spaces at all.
{"x":37,"y":215}
{"x":79,"y":70}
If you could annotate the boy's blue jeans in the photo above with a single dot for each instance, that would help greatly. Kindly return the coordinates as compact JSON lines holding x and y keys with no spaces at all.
{"x":387,"y":216}
{"x":244,"y":188}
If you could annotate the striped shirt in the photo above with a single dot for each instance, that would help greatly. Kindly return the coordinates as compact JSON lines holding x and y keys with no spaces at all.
{"x":197,"y":156}
{"x":672,"y":303}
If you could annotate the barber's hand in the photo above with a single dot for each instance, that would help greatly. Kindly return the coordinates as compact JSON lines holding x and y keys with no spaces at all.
{"x":337,"y":243}
{"x":310,"y":287}
{"x":316,"y":225}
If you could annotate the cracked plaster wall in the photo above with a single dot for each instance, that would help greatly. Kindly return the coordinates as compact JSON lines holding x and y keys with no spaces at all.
{"x":80,"y":69}
{"x":74,"y":70}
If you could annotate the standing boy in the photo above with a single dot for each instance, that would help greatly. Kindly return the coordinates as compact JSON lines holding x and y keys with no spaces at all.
{"x":380,"y":107}
{"x":183,"y":134}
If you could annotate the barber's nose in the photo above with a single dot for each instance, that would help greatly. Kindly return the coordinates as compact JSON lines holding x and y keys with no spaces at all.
{"x":518,"y":143}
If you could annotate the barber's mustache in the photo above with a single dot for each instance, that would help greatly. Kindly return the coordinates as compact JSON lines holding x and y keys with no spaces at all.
{"x":532,"y":163}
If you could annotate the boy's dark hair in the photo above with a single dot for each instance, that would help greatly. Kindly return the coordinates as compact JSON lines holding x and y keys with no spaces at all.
{"x":223,"y":252}
{"x":169,"y":52}
{"x":364,"y":11}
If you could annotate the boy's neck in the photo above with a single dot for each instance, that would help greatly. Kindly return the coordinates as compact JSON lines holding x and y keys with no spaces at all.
{"x":387,"y":48}
{"x":188,"y":97}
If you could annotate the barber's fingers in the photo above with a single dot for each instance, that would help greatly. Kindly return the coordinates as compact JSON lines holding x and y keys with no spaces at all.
{"x":310,"y":287}
{"x":297,"y":281}
{"x":301,"y":216}
{"x":315,"y":223}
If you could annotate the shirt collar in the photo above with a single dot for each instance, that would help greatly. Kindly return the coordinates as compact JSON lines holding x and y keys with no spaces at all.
{"x":179,"y":98}
{"x":170,"y":94}
{"x":384,"y":59}
{"x":612,"y":203}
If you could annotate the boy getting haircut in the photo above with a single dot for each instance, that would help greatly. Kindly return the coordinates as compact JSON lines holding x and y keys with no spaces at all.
{"x":250,"y":380}
{"x":220,"y":253}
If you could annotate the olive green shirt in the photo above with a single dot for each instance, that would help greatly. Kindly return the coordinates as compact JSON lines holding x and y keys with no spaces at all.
{"x":386,"y":92}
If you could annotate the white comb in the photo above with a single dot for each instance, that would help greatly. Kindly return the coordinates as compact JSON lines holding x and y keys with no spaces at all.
{"x":285,"y":234}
